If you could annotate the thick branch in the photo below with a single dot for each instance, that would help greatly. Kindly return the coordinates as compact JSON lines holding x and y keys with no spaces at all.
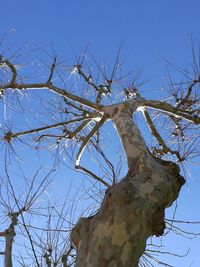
{"x":133,"y":143}
{"x":87,"y":139}
{"x":80,"y":152}
{"x":55,"y":89}
{"x":166,"y":107}
{"x":49,"y":85}
{"x":155,"y":132}
{"x":75,"y":98}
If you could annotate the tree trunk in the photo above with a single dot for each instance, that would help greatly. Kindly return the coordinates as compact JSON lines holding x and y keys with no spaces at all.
{"x":133,"y":209}
{"x":8,"y":248}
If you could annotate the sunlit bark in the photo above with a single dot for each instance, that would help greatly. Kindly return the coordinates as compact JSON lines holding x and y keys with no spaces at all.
{"x":133,"y":209}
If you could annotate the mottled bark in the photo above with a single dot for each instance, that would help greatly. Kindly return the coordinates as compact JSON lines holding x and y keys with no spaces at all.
{"x":133,"y":209}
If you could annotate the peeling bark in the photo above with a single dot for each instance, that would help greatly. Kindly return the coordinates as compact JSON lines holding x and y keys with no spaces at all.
{"x":134,"y":208}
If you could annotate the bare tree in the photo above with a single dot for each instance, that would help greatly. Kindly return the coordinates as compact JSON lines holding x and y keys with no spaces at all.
{"x":17,"y":206}
{"x":79,"y":100}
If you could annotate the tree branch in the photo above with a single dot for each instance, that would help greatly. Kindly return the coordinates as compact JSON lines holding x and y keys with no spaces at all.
{"x":11,"y":67}
{"x":9,"y":135}
{"x":93,"y":175}
{"x":55,"y":89}
{"x":188,"y":94}
{"x":168,"y":108}
{"x":88,"y":79}
{"x":80,"y":152}
{"x":165,"y":149}
{"x":154,"y":131}
{"x":87,"y":139}
{"x":52,"y":70}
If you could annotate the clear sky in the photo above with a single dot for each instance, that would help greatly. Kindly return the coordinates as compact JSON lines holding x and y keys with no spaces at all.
{"x":147,"y":31}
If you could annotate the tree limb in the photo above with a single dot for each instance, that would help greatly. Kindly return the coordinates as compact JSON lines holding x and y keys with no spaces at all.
{"x":93,"y":175}
{"x":9,"y":135}
{"x":87,"y":139}
{"x":11,"y":67}
{"x":168,"y":108}
{"x":80,"y":152}
{"x":154,"y":131}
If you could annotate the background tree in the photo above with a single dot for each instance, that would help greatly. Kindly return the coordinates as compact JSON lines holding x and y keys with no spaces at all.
{"x":77,"y":100}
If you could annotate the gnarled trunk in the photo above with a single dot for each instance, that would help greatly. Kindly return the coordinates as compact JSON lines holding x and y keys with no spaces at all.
{"x":133,"y":209}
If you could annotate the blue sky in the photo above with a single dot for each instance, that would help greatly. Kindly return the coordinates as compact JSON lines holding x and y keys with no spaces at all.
{"x":147,"y":31}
